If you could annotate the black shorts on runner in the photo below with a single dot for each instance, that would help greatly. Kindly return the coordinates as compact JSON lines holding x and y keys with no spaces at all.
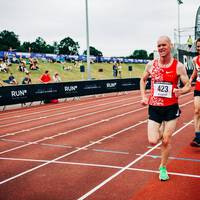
{"x":196,"y":93}
{"x":164,"y":113}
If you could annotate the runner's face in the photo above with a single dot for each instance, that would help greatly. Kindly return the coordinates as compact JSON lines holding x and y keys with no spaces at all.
{"x":198,"y":47}
{"x":164,"y":47}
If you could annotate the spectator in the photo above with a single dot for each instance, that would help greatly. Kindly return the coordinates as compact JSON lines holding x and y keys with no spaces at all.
{"x":189,"y":42}
{"x":119,"y":70}
{"x":45,"y":78}
{"x":27,"y":79}
{"x":34,"y":64}
{"x":115,"y":70}
{"x":56,"y":78}
{"x":22,"y":67}
{"x":11,"y":80}
{"x":3,"y":66}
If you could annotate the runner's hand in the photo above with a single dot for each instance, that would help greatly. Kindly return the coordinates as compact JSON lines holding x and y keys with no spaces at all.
{"x":177,"y":92}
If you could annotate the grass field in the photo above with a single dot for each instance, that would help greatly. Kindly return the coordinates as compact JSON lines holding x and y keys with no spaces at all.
{"x":74,"y":74}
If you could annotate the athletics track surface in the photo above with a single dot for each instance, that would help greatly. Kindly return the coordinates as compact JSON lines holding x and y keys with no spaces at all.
{"x":95,"y":148}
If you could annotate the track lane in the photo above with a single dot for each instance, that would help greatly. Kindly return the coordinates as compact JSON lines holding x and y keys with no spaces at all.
{"x":88,"y":156}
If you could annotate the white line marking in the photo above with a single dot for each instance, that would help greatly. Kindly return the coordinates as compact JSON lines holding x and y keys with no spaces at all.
{"x":65,"y":155}
{"x":72,"y":130}
{"x":126,"y":167}
{"x":61,"y":121}
{"x":61,"y":113}
{"x":98,"y":165}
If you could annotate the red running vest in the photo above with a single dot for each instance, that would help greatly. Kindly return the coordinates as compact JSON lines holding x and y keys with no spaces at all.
{"x":197,"y":86}
{"x":163,"y":81}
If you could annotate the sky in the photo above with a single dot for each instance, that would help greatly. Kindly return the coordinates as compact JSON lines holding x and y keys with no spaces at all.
{"x":116,"y":27}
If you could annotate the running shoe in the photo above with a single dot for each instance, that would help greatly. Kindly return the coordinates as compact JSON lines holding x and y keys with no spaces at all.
{"x":163,"y":174}
{"x":195,"y":142}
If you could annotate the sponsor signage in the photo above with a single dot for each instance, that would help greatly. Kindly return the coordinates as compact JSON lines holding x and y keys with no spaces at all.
{"x":39,"y":92}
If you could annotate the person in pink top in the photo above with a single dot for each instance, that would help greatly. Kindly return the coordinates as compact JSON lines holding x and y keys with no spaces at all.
{"x":196,"y":74}
{"x":163,"y":110}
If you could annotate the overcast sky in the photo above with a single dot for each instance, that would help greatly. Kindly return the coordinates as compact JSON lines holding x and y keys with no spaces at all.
{"x":116,"y":27}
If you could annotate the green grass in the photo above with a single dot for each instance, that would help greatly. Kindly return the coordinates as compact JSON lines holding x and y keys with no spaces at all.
{"x":74,"y":74}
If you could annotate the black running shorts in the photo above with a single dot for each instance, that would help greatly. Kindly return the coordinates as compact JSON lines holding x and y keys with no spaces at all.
{"x":164,"y":113}
{"x":196,"y":93}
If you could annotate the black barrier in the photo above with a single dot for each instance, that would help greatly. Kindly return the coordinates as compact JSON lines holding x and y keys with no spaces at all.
{"x":38,"y":92}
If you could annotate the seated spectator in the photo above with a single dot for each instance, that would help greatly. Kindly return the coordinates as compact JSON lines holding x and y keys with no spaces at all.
{"x":22,"y":67}
{"x":11,"y":80}
{"x":34,"y":64}
{"x":56,"y":78}
{"x":3,"y":66}
{"x":27,"y":79}
{"x":67,"y":68}
{"x":45,"y":78}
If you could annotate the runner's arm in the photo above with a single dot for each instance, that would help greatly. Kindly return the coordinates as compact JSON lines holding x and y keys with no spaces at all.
{"x":185,"y":80}
{"x":143,"y":82}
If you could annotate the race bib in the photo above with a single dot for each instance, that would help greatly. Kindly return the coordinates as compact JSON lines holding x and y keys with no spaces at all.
{"x":163,"y":89}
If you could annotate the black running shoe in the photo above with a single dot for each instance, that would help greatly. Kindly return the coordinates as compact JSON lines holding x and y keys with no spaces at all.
{"x":195,"y":142}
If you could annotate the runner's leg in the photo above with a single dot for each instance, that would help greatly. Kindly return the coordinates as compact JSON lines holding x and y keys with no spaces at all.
{"x":154,"y":134}
{"x":169,"y":129}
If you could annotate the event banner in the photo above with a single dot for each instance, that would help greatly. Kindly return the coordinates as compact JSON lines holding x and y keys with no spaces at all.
{"x":39,"y":92}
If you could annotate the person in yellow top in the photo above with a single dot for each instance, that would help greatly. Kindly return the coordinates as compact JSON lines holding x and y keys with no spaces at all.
{"x":189,"y":42}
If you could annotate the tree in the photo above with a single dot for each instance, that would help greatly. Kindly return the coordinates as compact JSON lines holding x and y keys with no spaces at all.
{"x":25,"y":47}
{"x":139,"y":54}
{"x":151,"y":56}
{"x":39,"y":46}
{"x":8,"y":40}
{"x":68,"y":46}
{"x":93,"y":52}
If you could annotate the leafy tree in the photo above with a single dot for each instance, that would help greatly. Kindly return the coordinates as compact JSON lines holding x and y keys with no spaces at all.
{"x":139,"y":54}
{"x":25,"y":47}
{"x":93,"y":52}
{"x":151,"y":55}
{"x":39,"y":46}
{"x":8,"y":39}
{"x":68,"y":46}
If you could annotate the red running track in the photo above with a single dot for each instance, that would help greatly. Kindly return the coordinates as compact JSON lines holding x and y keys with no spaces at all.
{"x":94,"y":148}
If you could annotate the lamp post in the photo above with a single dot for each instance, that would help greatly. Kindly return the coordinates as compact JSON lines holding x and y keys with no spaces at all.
{"x":179,"y":37}
{"x":87,"y":41}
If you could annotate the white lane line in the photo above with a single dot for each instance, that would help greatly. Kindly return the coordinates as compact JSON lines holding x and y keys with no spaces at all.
{"x":72,"y":130}
{"x":55,"y":108}
{"x":32,"y":169}
{"x":126,"y":167}
{"x":68,"y":119}
{"x":98,"y":165}
{"x":62,"y":113}
{"x":65,"y":155}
